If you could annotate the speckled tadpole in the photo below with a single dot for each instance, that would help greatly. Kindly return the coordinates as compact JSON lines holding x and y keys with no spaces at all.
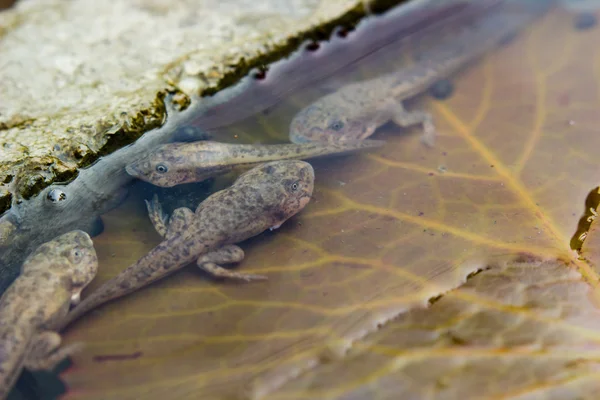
{"x":177,"y":163}
{"x":52,"y":277}
{"x":260,"y":199}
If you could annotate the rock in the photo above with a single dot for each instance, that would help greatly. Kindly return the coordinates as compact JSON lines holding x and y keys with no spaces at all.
{"x":80,"y":79}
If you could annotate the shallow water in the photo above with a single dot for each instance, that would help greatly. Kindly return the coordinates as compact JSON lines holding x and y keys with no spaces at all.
{"x":385,"y":232}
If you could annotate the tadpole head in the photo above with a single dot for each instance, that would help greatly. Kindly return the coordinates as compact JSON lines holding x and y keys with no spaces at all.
{"x":154,"y":168}
{"x":298,"y":186}
{"x":285,"y":186}
{"x":71,"y":255}
{"x":307,"y":126}
{"x":82,"y":264}
{"x":177,"y":163}
{"x":322,"y":123}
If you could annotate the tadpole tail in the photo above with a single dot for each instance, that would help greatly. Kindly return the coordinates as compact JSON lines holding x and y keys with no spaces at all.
{"x":158,"y":263}
{"x":103,"y":294}
{"x":251,"y":155}
{"x":475,"y":40}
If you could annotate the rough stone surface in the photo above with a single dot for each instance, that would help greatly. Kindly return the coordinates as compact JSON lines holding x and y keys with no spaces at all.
{"x":80,"y":79}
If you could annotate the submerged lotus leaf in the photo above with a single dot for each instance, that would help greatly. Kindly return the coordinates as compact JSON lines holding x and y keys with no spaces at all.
{"x":351,"y":309}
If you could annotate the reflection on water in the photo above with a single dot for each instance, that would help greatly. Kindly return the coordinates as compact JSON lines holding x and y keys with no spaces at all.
{"x":386,"y":230}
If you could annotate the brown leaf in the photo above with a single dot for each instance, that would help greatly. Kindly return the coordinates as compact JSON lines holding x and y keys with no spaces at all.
{"x":385,"y":233}
{"x":519,"y":330}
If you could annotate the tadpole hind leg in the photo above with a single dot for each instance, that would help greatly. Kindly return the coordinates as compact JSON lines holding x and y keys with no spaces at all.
{"x":158,"y":218}
{"x":226,"y":255}
{"x":164,"y":225}
{"x":46,"y":353}
{"x":179,"y":219}
{"x":406,"y":119}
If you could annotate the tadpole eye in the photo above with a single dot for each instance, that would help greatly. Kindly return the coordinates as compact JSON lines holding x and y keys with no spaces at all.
{"x":337,"y":125}
{"x":161,"y":169}
{"x":76,"y":255}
